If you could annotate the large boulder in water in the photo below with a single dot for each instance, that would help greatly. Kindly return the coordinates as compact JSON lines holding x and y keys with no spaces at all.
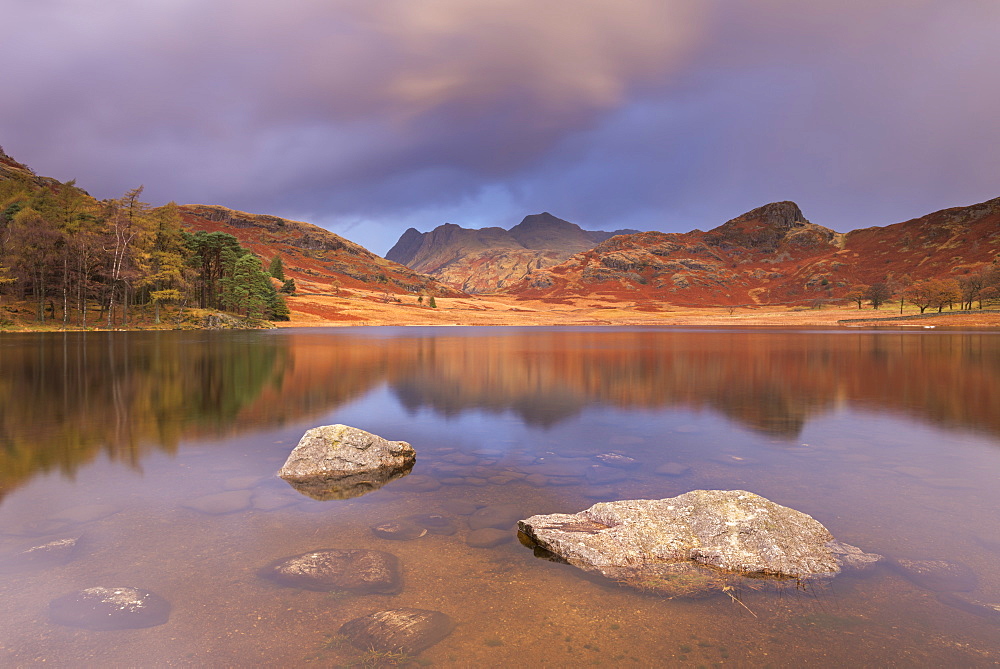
{"x":690,"y":543}
{"x":340,"y":462}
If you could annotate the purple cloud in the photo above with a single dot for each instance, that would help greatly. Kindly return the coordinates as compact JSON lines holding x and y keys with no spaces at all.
{"x":371,"y":117}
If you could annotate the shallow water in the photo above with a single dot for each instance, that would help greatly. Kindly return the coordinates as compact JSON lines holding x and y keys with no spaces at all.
{"x":127,"y":440}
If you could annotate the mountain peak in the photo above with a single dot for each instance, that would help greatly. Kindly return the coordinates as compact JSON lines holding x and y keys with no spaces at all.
{"x":545,"y":231}
{"x":782,"y":215}
{"x":544,"y":220}
{"x":485,"y":259}
{"x":407,"y":247}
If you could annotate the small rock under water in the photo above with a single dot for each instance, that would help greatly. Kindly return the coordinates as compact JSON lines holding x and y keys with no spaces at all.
{"x":404,"y":630}
{"x":344,"y":569}
{"x":110,"y":608}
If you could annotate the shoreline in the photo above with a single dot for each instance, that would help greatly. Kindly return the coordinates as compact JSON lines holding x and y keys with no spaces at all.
{"x":989,"y":321}
{"x":371,"y":309}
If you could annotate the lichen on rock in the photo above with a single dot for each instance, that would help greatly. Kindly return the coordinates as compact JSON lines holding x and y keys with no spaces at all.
{"x":339,"y":462}
{"x":692,"y":541}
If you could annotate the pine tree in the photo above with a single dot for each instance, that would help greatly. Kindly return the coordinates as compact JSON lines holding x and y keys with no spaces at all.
{"x":431,"y":303}
{"x":248,"y":290}
{"x":277,"y":268}
{"x":212,"y":256}
{"x":279,"y":308}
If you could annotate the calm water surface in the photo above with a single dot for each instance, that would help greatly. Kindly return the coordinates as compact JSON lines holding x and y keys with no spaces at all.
{"x":126,"y":440}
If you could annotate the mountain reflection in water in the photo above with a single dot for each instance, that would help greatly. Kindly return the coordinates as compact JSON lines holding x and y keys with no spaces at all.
{"x":123,"y":393}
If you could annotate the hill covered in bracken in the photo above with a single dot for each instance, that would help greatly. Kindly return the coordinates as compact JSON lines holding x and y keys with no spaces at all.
{"x":488,"y":259}
{"x":70,"y":260}
{"x":774,"y":255}
{"x":310,"y":254}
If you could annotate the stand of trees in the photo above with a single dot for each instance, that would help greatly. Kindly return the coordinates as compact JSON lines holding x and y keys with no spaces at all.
{"x":70,"y":255}
{"x":978,"y":287}
{"x":968,"y":291}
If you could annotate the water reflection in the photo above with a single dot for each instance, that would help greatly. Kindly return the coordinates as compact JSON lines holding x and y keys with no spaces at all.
{"x":67,"y":397}
{"x":347,"y":485}
{"x":508,"y":424}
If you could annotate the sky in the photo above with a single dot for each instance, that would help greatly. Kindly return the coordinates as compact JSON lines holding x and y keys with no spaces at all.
{"x":370,"y":116}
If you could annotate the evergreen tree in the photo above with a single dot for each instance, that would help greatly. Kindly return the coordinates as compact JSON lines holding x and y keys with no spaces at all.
{"x":278,"y":307}
{"x":277,"y":268}
{"x":212,"y":256}
{"x":249,"y":291}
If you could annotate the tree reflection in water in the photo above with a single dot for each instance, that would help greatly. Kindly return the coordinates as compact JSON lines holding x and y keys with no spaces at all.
{"x":67,"y":397}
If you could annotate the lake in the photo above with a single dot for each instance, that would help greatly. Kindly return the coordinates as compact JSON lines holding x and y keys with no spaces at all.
{"x":157,"y":452}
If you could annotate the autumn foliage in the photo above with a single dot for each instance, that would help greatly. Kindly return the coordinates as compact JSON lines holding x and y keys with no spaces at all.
{"x":84,"y":262}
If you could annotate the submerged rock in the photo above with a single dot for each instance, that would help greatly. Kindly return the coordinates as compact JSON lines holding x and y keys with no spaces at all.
{"x":340,"y":462}
{"x":685,"y":544}
{"x":938,"y":575}
{"x":103,"y":608}
{"x":852,"y":557}
{"x":398,"y":531}
{"x":355,"y":570}
{"x":415,"y":526}
{"x":988,"y":610}
{"x":617,"y":460}
{"x":41,"y":556}
{"x":500,"y":516}
{"x":221,"y":502}
{"x":435,"y":523}
{"x":398,"y":630}
{"x":488,"y":537}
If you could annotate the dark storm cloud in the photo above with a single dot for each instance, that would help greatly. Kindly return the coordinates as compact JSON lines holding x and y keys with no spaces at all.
{"x":370,"y":116}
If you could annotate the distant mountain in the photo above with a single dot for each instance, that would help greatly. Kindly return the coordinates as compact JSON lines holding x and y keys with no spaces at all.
{"x":310,"y":253}
{"x":487,"y":259}
{"x":773,"y":255}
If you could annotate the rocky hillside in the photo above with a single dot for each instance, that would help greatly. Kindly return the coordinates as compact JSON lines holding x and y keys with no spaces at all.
{"x":310,"y":254}
{"x":487,"y":259}
{"x":773,"y":255}
{"x":12,"y":170}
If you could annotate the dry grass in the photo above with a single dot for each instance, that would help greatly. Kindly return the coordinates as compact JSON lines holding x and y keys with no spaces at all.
{"x":366,"y":308}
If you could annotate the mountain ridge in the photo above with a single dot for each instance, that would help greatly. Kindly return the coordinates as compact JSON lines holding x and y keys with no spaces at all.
{"x":774,"y":255}
{"x":479,"y":260}
{"x":310,"y":254}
